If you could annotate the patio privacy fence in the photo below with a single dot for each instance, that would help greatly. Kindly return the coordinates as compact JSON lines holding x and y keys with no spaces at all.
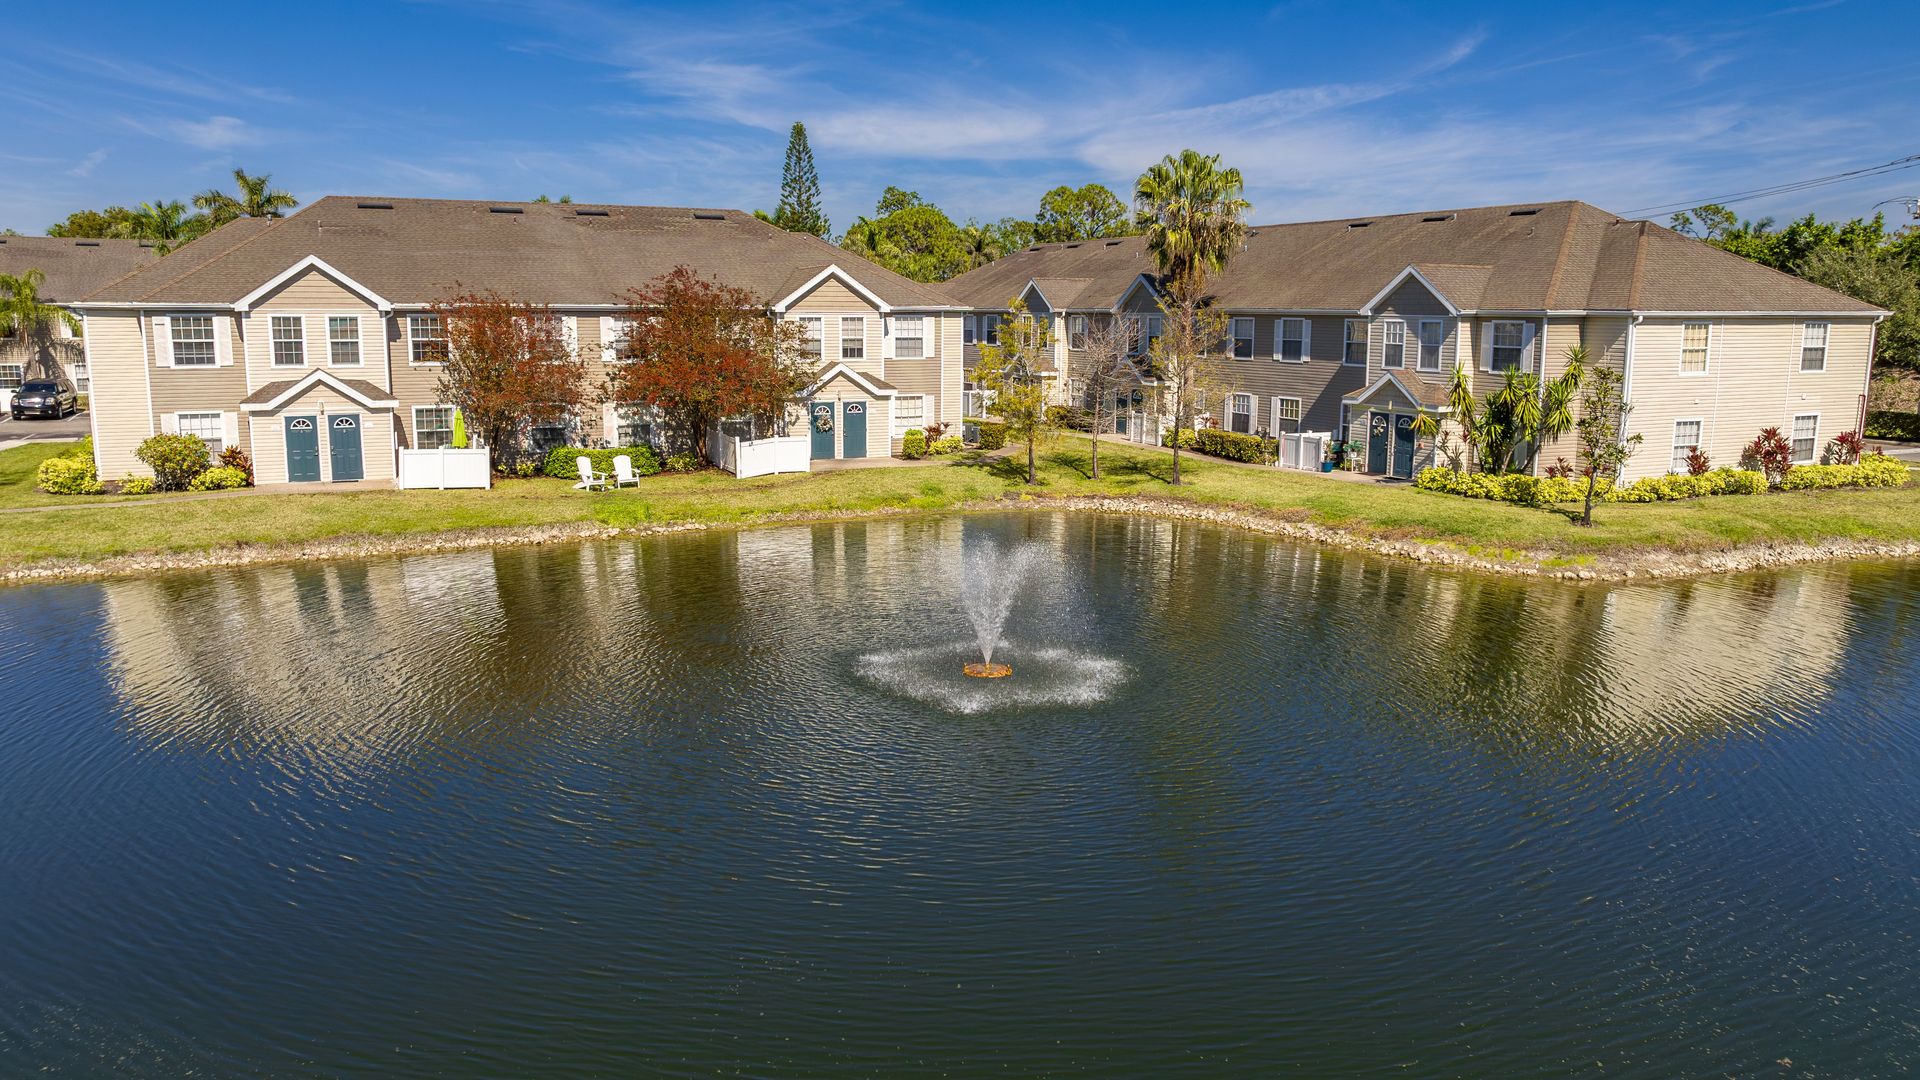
{"x":758,"y":457}
{"x":445,"y":468}
{"x":1303,"y":450}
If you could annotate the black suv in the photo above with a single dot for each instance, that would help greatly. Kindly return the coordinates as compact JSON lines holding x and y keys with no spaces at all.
{"x":44,"y":397}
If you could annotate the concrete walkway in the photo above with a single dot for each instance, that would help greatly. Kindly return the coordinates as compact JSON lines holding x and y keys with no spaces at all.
{"x":1338,"y":474}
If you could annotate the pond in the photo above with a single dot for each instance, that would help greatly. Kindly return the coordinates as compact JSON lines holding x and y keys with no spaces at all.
{"x":721,"y":804}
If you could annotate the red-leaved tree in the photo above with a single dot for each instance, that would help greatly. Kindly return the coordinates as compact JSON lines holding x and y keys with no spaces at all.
{"x":700,"y":351}
{"x":509,"y":366}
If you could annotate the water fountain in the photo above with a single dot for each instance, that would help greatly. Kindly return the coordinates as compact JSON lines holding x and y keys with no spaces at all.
{"x":991,"y":578}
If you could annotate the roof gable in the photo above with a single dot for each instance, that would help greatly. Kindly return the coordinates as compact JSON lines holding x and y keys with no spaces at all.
{"x":315,"y":264}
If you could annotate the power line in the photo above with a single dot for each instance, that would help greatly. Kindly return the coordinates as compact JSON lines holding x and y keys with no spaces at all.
{"x":1909,"y":162}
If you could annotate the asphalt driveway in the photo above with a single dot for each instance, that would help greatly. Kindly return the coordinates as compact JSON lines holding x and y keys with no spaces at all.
{"x":14,"y":432}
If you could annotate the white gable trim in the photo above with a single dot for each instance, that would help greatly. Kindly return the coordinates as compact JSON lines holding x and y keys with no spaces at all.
{"x":1398,"y":280}
{"x":1139,"y":282}
{"x":312,"y":262}
{"x":1413,"y":400}
{"x":862,"y":381}
{"x":832,"y":271}
{"x":319,"y":376}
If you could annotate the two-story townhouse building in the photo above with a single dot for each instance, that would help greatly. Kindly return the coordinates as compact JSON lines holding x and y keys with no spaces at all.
{"x":1356,"y":326}
{"x":312,"y":340}
{"x":71,"y":268}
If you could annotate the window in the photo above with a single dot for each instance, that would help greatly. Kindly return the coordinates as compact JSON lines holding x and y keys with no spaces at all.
{"x":1243,"y":339}
{"x":289,"y":341}
{"x":1686,"y":439}
{"x":1290,"y":337}
{"x":432,"y":426}
{"x":427,"y":336}
{"x":343,"y":340}
{"x":909,"y":411}
{"x":1813,"y":347}
{"x":1286,"y":410}
{"x":1432,"y":333}
{"x":1146,"y":330}
{"x":208,"y":427}
{"x":192,"y":337}
{"x":910,"y":337}
{"x":1394,"y":344}
{"x":1693,"y":347}
{"x":11,"y":375}
{"x":80,"y":376}
{"x":1509,"y":349}
{"x":551,"y":433}
{"x":1076,"y":331}
{"x":632,"y":430}
{"x":989,"y":329}
{"x":813,"y":335}
{"x":1240,"y":413}
{"x":853,"y":337}
{"x":1355,"y":354}
{"x":968,"y":328}
{"x":1806,"y":437}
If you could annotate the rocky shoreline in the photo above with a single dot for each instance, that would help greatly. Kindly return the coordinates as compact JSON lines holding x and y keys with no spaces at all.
{"x":1638,"y":565}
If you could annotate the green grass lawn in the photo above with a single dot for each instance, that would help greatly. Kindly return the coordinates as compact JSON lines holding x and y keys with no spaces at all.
{"x":93,"y":529}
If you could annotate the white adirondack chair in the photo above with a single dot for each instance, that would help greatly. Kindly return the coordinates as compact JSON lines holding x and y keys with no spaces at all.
{"x":623,"y":473}
{"x":590,"y":480}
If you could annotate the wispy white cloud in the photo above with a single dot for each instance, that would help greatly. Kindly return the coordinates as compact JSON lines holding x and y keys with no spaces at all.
{"x":212,"y":133}
{"x":89,"y":163}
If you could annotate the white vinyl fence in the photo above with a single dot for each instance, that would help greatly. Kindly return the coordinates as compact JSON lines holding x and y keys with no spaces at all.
{"x":759,"y":457}
{"x":445,"y":468}
{"x":1304,"y":450}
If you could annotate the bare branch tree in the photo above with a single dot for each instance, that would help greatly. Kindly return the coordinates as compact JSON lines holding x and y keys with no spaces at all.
{"x":1111,"y":345}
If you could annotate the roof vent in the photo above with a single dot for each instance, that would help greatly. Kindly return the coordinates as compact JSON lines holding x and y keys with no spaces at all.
{"x":1523,"y":213}
{"x":1438,"y":217}
{"x":709,"y":217}
{"x":1358,"y":224}
{"x":505,"y":210}
{"x":146,"y":243}
{"x":1073,"y":245}
{"x":1113,"y":243}
{"x":373,"y":206}
{"x":591,"y":213}
{"x":86,"y":243}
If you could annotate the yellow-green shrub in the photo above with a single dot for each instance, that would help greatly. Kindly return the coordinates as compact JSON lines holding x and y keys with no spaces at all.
{"x":68,"y":474}
{"x":1875,"y":470}
{"x":1682,"y":486}
{"x":136,"y":485}
{"x":1516,"y":488}
{"x":1232,"y":445}
{"x":219,"y":478}
{"x":913,"y":445}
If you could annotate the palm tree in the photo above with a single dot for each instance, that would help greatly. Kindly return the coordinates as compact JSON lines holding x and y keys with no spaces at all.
{"x":257,"y":198}
{"x":1190,"y":210}
{"x":22,"y":311}
{"x":980,"y":244}
{"x":167,"y":224}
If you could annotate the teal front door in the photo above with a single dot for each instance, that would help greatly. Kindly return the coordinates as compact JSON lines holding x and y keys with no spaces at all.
{"x":303,"y":449}
{"x":1403,"y":442}
{"x":821,"y":413}
{"x":1376,"y":442}
{"x":853,"y":440}
{"x":343,"y":445}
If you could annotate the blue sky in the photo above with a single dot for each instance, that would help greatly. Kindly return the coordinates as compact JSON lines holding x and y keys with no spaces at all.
{"x":1330,"y":109}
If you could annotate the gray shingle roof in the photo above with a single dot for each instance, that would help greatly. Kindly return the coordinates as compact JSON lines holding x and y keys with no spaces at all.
{"x":268,"y":391}
{"x":74,"y":268}
{"x":1564,"y":256}
{"x":417,"y":251}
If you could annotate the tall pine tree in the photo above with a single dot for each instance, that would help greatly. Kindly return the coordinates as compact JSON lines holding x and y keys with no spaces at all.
{"x":799,"y":209}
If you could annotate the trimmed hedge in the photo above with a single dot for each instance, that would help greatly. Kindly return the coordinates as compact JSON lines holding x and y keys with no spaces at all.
{"x":219,"y":478}
{"x":67,"y":474}
{"x":1232,"y":445}
{"x":1874,"y":470}
{"x":1682,"y":486}
{"x":136,"y":485}
{"x":993,"y":433}
{"x":1071,"y":417}
{"x":913,"y":445}
{"x":174,"y":459}
{"x":1887,"y":424}
{"x":560,"y":461}
{"x":1516,"y":488}
{"x":946,"y":444}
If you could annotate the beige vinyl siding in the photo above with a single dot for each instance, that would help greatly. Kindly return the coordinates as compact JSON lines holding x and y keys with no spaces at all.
{"x":833,"y":300}
{"x":314,"y":297}
{"x":1561,"y":335}
{"x":270,"y":442}
{"x":121,"y":418}
{"x":1753,"y":381}
{"x":412,"y":384}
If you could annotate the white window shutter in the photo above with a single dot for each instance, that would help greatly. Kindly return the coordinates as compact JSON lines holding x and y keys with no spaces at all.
{"x":1527,"y":347}
{"x":163,"y":341}
{"x":169,"y":423}
{"x":406,"y":336}
{"x":570,"y":327}
{"x":229,"y":429}
{"x":223,"y":340}
{"x":608,"y":345}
